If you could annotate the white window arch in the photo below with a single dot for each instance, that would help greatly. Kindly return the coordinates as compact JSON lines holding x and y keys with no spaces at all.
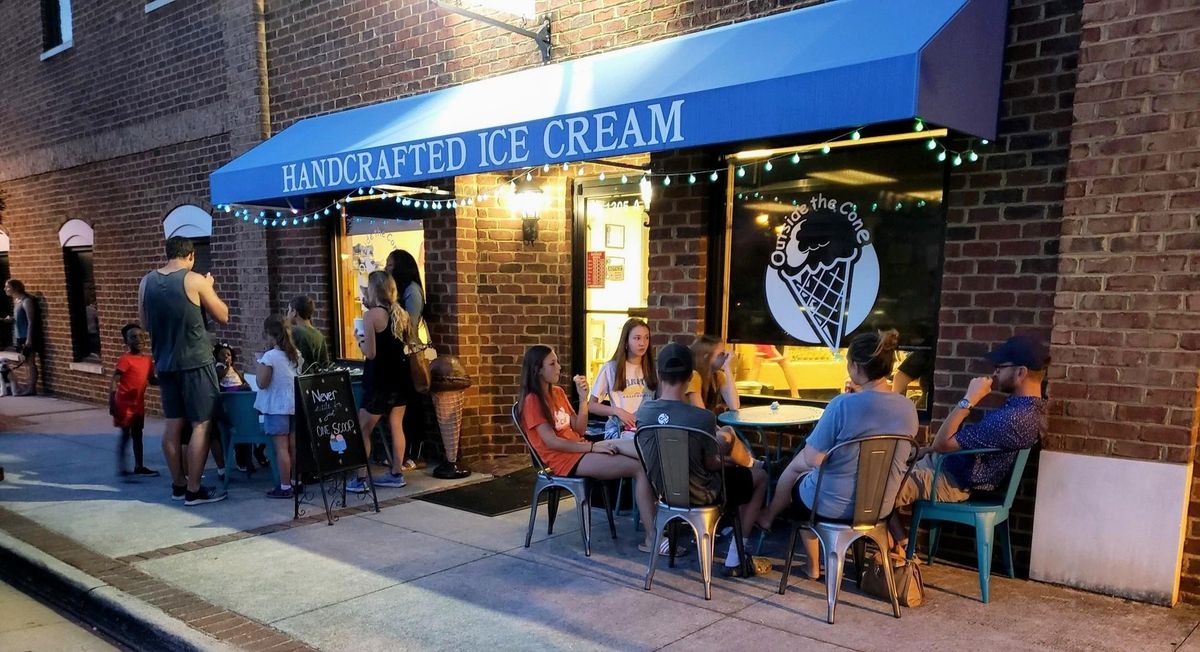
{"x":188,"y":221}
{"x":76,"y":233}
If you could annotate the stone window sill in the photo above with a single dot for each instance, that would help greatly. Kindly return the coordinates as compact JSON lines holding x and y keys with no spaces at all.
{"x":87,"y":367}
{"x":56,"y":50}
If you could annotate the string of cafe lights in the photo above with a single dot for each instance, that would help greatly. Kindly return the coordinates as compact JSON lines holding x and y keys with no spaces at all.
{"x":271,"y":217}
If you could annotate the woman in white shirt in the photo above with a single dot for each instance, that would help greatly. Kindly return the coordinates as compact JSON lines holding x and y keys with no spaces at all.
{"x":276,"y":399}
{"x":626,"y":379}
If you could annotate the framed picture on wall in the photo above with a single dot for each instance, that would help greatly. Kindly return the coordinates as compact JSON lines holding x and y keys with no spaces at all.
{"x":614,"y":236}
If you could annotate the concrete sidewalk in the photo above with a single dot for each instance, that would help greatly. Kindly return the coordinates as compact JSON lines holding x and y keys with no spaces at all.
{"x":422,"y":576}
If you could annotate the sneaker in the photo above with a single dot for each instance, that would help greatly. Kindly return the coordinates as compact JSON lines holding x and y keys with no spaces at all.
{"x":409,"y":465}
{"x":280,"y":492}
{"x":145,"y":472}
{"x":356,"y":486}
{"x":664,"y":548}
{"x":243,"y":468}
{"x":204,"y":495}
{"x":395,"y":480}
{"x":178,"y":492}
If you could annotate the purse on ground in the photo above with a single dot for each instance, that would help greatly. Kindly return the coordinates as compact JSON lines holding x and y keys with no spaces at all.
{"x":910,"y":589}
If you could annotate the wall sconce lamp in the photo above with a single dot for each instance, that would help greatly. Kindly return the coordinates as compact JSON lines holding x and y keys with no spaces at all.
{"x":527,"y":204}
{"x":647,"y":191}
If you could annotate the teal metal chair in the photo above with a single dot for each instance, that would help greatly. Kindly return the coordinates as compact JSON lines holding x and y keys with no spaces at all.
{"x":987,"y":512}
{"x":240,"y":425}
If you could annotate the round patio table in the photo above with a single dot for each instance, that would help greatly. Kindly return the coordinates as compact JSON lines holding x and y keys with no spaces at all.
{"x":770,"y":418}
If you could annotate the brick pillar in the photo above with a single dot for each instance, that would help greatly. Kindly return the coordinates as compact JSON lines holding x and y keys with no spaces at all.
{"x":679,"y":219}
{"x":1126,"y":339}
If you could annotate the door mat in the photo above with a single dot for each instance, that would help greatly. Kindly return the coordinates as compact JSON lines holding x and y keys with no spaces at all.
{"x":500,"y":495}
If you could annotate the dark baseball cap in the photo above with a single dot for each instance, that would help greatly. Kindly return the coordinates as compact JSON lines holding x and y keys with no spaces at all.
{"x":675,"y":358}
{"x":1028,"y":351}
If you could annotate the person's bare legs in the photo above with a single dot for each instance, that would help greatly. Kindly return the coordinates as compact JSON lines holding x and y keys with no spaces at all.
{"x":218,"y":451}
{"x":283,"y":456}
{"x":749,"y":511}
{"x":812,"y":550}
{"x":783,"y":493}
{"x":601,"y":466}
{"x":396,"y":424}
{"x":197,"y":455}
{"x":172,"y":434}
{"x":367,"y":423}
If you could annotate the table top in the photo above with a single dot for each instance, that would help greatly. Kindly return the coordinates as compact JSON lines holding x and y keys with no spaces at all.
{"x":765,"y":416}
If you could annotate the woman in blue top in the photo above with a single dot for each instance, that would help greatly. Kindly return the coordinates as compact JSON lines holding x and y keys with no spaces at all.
{"x":871,"y":410}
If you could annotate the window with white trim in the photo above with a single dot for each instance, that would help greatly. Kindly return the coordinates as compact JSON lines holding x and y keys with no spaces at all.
{"x":76,"y":238}
{"x":6,"y":306}
{"x":194,"y":223}
{"x":56,"y":25}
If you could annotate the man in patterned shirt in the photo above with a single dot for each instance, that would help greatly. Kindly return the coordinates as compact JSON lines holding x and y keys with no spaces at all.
{"x":1020,"y":366}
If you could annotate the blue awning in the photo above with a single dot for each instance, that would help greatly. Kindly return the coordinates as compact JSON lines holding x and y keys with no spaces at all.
{"x":841,"y":64}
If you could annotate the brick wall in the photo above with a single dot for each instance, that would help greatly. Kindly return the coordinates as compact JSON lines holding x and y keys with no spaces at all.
{"x":1127,"y":328}
{"x":125,"y":201}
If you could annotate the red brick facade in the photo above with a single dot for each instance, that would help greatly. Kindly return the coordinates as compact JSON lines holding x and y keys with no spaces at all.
{"x":1127,"y":318}
{"x":195,"y":85}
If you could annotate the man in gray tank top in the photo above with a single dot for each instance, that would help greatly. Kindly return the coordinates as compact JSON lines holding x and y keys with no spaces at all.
{"x":169,"y":302}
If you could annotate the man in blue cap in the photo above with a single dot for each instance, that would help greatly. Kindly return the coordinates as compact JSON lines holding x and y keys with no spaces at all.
{"x":1019,"y":369}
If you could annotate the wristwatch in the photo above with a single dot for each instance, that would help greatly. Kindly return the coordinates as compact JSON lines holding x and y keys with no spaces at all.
{"x":964,"y":404}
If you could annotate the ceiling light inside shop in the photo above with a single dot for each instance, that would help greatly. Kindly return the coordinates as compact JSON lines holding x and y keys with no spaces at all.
{"x":751,"y":154}
{"x":851,"y":177}
{"x":769,"y":207}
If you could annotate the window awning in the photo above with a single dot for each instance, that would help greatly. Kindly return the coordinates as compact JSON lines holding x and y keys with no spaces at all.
{"x":842,"y":64}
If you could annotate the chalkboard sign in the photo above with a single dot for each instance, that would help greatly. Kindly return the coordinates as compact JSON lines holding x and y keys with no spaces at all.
{"x":328,"y":439}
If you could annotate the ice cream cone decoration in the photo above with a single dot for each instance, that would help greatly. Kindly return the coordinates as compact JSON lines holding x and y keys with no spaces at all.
{"x":448,"y":389}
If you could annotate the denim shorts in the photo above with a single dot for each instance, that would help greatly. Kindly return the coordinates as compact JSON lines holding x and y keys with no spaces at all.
{"x":277,"y":424}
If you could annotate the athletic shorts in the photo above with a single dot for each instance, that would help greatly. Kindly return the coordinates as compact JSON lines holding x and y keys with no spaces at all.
{"x":739,"y":485}
{"x":190,"y":394}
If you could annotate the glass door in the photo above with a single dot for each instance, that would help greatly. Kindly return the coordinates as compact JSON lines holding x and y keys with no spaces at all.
{"x":613,"y":241}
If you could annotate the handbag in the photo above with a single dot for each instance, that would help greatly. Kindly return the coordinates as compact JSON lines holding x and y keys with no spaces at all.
{"x":418,"y":361}
{"x":910,"y":588}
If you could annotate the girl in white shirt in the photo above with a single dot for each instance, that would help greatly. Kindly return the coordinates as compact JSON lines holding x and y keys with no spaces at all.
{"x":626,"y":379}
{"x":277,"y":370}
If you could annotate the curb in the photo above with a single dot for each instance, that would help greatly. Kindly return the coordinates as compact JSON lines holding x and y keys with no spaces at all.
{"x":120,"y":616}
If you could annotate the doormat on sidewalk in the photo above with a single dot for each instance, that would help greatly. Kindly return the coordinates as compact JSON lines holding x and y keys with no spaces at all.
{"x":501,"y":495}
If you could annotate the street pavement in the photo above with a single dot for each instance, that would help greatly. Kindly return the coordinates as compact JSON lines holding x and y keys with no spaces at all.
{"x":423,"y":576}
{"x":29,"y":626}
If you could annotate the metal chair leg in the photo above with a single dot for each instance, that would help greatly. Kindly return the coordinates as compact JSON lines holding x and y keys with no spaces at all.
{"x":533,"y":505}
{"x":608,"y":508}
{"x":584,"y":507}
{"x":834,"y":560}
{"x":658,"y":525}
{"x":741,"y":545}
{"x":551,"y":509}
{"x":704,"y":552}
{"x":787,"y":560}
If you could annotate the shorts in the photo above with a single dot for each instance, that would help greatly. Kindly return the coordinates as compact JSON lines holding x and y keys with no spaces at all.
{"x":739,"y":485}
{"x":381,"y":400}
{"x":189,"y":394}
{"x":798,"y":511}
{"x":916,"y":486}
{"x":277,"y":424}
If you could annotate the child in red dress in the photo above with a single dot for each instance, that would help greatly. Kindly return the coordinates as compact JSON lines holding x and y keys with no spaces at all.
{"x":127,"y":397}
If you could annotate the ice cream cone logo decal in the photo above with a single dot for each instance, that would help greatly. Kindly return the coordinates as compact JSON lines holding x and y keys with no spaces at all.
{"x":823,"y":275}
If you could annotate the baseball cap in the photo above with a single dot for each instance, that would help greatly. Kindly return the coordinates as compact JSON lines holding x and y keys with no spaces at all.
{"x":1027,"y":351}
{"x":675,"y":358}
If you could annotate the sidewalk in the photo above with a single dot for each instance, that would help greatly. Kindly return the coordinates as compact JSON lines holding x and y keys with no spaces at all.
{"x":423,"y":576}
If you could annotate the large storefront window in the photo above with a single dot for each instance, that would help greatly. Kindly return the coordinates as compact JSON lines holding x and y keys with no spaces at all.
{"x":823,"y":246}
{"x":363,"y":247}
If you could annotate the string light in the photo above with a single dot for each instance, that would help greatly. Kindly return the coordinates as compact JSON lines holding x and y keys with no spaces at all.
{"x":918,"y":125}
{"x":768,"y":166}
{"x":825,"y":149}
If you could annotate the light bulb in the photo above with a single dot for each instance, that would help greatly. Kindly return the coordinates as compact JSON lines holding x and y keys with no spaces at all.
{"x":919,"y":125}
{"x":741,"y":172}
{"x":854,"y":135}
{"x":769,"y":166}
{"x":713,"y":176}
{"x":942,"y":156}
{"x":566,"y":167}
{"x":972,"y":156}
{"x":529,"y":176}
{"x":545,"y":167}
{"x":602,"y":176}
{"x":957,"y":160}
{"x":624,"y":178}
{"x":795,"y":159}
{"x":984,"y":141}
{"x":930,"y":144}
{"x":824,"y":149}
{"x":667,"y":180}
{"x":691,"y":178}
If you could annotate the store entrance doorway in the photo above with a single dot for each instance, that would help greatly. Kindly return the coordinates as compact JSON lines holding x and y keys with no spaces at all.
{"x":611,"y":268}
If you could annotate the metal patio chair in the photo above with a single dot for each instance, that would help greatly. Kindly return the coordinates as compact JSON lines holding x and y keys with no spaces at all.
{"x":876,"y":455}
{"x":670,"y":480}
{"x":988,"y":513}
{"x":580,"y":489}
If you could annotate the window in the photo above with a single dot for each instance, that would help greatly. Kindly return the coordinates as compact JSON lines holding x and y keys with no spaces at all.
{"x":76,"y":238}
{"x":56,"y":26}
{"x":363,"y":246}
{"x":194,"y":223}
{"x":829,"y":246}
